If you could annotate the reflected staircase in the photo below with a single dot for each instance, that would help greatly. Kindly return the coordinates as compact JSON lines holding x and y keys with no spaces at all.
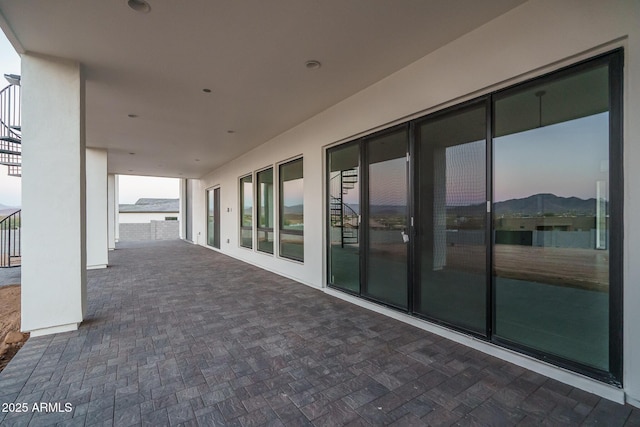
{"x":11,"y":156}
{"x":342,"y":215}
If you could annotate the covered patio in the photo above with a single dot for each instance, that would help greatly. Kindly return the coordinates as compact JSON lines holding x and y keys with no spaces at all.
{"x":177,"y":334}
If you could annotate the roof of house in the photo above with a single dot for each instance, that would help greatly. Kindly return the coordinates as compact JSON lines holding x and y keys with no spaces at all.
{"x":151,"y":205}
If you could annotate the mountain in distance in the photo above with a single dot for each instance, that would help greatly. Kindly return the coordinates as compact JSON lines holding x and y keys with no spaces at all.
{"x":7,"y":210}
{"x":537,"y":204}
{"x":296,"y":209}
{"x":546,"y":203}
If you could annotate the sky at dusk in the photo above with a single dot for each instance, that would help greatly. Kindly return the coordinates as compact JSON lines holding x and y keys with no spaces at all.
{"x":565,"y":159}
{"x":131,"y":188}
{"x":10,"y":192}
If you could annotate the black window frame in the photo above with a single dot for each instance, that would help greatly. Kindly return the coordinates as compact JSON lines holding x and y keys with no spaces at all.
{"x":241,"y":209}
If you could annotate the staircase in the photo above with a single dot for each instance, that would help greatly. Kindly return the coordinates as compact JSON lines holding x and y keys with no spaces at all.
{"x":342,"y":215}
{"x":10,"y":127}
{"x":10,"y":156}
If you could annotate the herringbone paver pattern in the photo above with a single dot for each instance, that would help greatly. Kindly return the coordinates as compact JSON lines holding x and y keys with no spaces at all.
{"x":179,"y":335}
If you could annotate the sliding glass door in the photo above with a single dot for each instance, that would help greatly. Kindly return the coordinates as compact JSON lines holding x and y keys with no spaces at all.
{"x":552,"y":215}
{"x":213,"y":217}
{"x":386,"y":218}
{"x":344,"y":217}
{"x":452,"y":253}
{"x":512,"y":229}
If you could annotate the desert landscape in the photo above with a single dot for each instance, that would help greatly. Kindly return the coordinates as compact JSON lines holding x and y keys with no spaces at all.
{"x":11,"y":339}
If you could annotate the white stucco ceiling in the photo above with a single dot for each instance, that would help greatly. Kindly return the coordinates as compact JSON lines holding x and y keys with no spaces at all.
{"x":250,"y":53}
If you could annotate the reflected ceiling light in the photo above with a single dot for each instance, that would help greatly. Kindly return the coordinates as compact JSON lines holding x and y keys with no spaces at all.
{"x":312,"y":64}
{"x":139,"y":6}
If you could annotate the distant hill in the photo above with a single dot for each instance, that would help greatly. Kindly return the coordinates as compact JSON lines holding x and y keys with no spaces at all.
{"x":7,"y":210}
{"x":546,"y":203}
{"x":296,"y":209}
{"x":152,"y":205}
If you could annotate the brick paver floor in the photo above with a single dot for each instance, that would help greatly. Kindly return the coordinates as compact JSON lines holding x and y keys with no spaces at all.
{"x":176,"y":334}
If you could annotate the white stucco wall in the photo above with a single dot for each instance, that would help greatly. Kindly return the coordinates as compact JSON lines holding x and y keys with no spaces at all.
{"x":97,"y":209}
{"x":538,"y":37}
{"x":54,"y":242}
{"x":112,"y":207}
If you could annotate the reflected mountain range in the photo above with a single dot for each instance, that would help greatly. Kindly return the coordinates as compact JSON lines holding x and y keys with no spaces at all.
{"x":537,"y":204}
{"x":546,"y":203}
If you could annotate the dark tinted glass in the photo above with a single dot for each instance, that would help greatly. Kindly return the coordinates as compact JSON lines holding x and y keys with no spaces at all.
{"x":265,"y":210}
{"x":387,"y":225}
{"x":551,"y":217}
{"x":452,"y":220}
{"x":344,"y":223}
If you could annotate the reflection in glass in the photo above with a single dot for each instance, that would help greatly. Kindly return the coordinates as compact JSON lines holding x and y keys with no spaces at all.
{"x":387,"y":226}
{"x":246,"y":212}
{"x":550,"y":214}
{"x":344,"y":211}
{"x":291,"y":210}
{"x":213,"y":217}
{"x":210,"y":218}
{"x":452,"y":176}
{"x":265,"y":210}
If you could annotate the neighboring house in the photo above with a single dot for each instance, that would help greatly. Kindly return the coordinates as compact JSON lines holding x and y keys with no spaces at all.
{"x":361,"y":148}
{"x":148,"y":209}
{"x":149,"y":219}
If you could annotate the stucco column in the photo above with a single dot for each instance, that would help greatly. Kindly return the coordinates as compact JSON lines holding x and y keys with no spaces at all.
{"x":97,"y":209}
{"x":116,"y":201}
{"x":112,"y":206}
{"x":182,"y":208}
{"x":53,"y":195}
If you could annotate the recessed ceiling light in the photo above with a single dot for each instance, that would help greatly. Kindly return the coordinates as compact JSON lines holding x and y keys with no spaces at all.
{"x":139,"y":6}
{"x":312,"y":64}
{"x":205,"y":90}
{"x":132,"y":116}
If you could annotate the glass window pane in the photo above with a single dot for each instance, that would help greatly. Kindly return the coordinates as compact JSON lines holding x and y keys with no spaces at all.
{"x":291,"y":210}
{"x":210,"y":218}
{"x":387,"y":224}
{"x":265,"y":210}
{"x":344,"y":211}
{"x":246,"y":212}
{"x":550,"y":214}
{"x":452,"y":183}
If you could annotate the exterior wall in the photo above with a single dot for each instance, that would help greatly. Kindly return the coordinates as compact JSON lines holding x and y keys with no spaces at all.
{"x":153,"y":230}
{"x":535,"y":38}
{"x":97,"y":209}
{"x":112,"y":207}
{"x":145,"y":217}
